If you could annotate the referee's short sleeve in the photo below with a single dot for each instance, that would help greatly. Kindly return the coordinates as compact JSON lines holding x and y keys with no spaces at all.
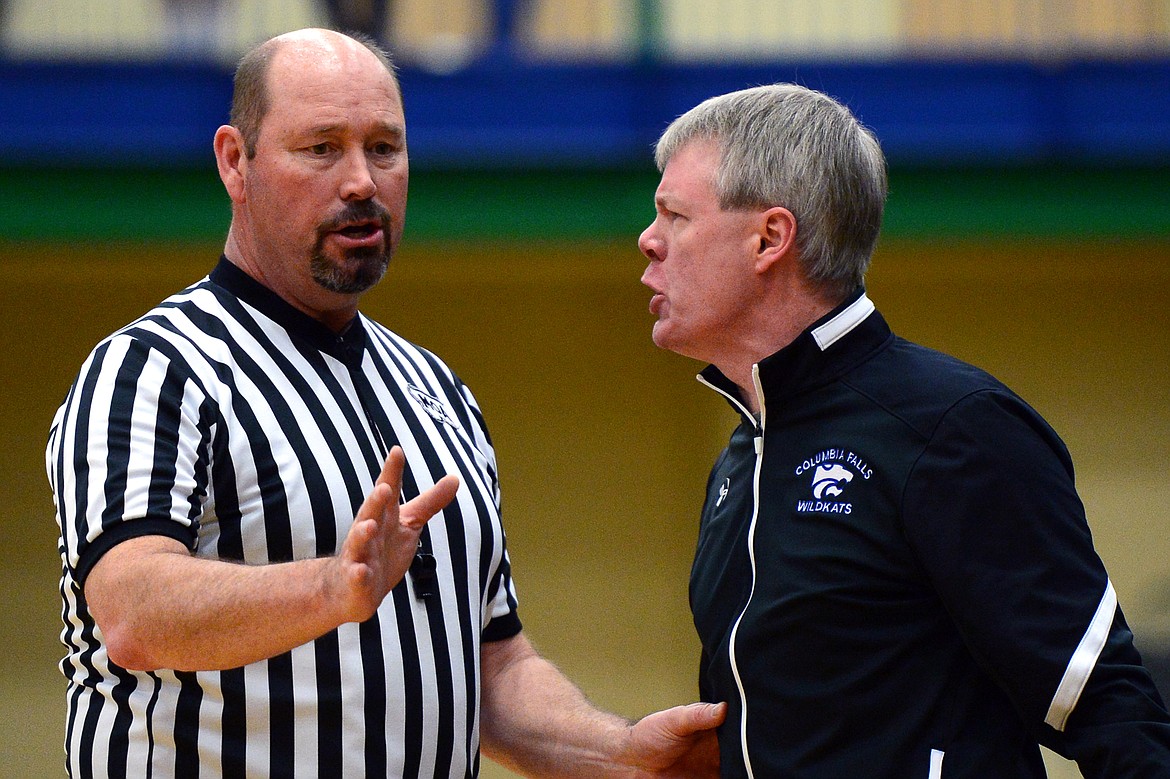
{"x":503,"y":627}
{"x":131,"y":456}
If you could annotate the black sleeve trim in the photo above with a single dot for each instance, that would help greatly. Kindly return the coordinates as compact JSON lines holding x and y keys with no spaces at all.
{"x":124,"y":531}
{"x":503,"y":627}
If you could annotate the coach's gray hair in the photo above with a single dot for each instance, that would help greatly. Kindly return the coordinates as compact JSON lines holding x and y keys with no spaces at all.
{"x":785,"y":145}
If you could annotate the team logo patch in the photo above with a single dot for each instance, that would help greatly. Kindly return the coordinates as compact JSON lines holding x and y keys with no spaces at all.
{"x":830,"y":473}
{"x":829,"y":480}
{"x":431,"y":405}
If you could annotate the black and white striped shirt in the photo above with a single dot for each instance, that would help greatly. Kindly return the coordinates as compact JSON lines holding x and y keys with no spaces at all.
{"x":229,"y":420}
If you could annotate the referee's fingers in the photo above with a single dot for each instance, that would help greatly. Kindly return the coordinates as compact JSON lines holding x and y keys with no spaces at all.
{"x":387,"y":489}
{"x":415,"y":513}
{"x":375,"y":505}
{"x":392,"y":470}
{"x":705,"y":716}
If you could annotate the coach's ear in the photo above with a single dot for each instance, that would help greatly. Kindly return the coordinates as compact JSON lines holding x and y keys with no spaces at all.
{"x":777,"y":237}
{"x":231,"y":161}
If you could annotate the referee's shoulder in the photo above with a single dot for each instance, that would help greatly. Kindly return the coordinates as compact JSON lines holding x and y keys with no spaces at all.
{"x":171,"y":328}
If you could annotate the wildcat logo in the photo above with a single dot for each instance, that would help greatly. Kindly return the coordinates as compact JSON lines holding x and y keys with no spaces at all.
{"x":431,"y":405}
{"x":829,"y":480}
{"x":830,"y":472}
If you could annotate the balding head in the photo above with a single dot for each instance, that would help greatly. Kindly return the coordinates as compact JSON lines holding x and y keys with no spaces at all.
{"x":250,"y":96}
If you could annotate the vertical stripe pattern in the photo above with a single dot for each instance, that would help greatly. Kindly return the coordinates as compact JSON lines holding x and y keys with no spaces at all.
{"x":243,"y":431}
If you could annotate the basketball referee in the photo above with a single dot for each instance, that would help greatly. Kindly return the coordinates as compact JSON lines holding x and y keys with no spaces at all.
{"x":243,"y":479}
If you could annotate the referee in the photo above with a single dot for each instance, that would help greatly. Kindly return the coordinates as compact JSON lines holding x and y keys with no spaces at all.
{"x":243,"y":479}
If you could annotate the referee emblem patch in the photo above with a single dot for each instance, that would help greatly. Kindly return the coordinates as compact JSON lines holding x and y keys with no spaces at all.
{"x":431,"y":405}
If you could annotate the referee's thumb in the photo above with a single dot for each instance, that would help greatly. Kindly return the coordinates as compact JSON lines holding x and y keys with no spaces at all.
{"x":705,"y":716}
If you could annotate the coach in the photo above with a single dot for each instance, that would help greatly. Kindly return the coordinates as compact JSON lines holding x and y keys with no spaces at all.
{"x":894,"y":577}
{"x":245,"y":594}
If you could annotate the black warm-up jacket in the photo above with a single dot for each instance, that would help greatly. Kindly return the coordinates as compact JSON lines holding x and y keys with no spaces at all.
{"x":894,"y":578}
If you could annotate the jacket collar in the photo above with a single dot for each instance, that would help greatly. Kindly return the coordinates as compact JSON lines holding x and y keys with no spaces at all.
{"x":347,"y":346}
{"x":823,"y":352}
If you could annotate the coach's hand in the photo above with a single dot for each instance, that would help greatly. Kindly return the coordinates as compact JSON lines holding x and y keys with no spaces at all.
{"x":384,"y":537}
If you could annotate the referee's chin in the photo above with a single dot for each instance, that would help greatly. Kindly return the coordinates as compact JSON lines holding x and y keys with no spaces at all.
{"x":358,"y":271}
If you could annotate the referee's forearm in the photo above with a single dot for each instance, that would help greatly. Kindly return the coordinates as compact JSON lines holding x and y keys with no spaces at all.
{"x":535,"y":721}
{"x":159,"y":607}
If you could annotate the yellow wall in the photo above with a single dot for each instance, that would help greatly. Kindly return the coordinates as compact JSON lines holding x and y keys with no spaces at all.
{"x":603,"y":441}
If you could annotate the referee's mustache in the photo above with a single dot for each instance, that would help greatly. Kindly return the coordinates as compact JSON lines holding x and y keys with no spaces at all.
{"x":357,"y":212}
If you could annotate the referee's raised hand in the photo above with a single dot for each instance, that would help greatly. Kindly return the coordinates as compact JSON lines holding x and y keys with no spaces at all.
{"x":384,"y":537}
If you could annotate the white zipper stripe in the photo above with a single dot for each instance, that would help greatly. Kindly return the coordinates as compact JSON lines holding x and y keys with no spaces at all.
{"x":825,"y":336}
{"x":936,"y":760}
{"x":759,"y":444}
{"x":738,"y":403}
{"x":747,"y":760}
{"x":1084,"y":659}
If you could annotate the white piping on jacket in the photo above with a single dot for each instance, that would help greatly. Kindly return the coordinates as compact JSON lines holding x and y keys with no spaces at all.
{"x":751,"y":552}
{"x":759,"y":443}
{"x":1083,"y":660}
{"x":825,"y":335}
{"x":936,"y":760}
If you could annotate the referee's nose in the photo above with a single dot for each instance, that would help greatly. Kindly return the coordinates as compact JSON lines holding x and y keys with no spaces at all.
{"x":357,"y":182}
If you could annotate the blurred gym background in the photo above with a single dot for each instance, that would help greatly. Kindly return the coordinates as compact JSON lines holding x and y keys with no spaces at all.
{"x":1028,"y":231}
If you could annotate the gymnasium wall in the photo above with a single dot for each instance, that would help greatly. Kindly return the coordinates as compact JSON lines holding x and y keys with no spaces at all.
{"x":603,"y":440}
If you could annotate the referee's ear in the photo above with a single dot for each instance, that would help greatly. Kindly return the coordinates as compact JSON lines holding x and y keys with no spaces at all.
{"x":231,"y":161}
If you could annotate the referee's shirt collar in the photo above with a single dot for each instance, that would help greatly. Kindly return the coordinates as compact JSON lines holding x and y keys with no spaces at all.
{"x":347,"y":347}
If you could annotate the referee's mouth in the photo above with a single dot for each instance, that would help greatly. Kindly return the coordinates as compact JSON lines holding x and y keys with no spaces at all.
{"x":361,"y":224}
{"x":357,"y":235}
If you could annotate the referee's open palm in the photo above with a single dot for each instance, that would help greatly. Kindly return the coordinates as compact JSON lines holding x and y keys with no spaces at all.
{"x":384,"y":537}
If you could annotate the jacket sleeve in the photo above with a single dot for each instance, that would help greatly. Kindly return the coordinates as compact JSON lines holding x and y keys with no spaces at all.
{"x":994,"y":516}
